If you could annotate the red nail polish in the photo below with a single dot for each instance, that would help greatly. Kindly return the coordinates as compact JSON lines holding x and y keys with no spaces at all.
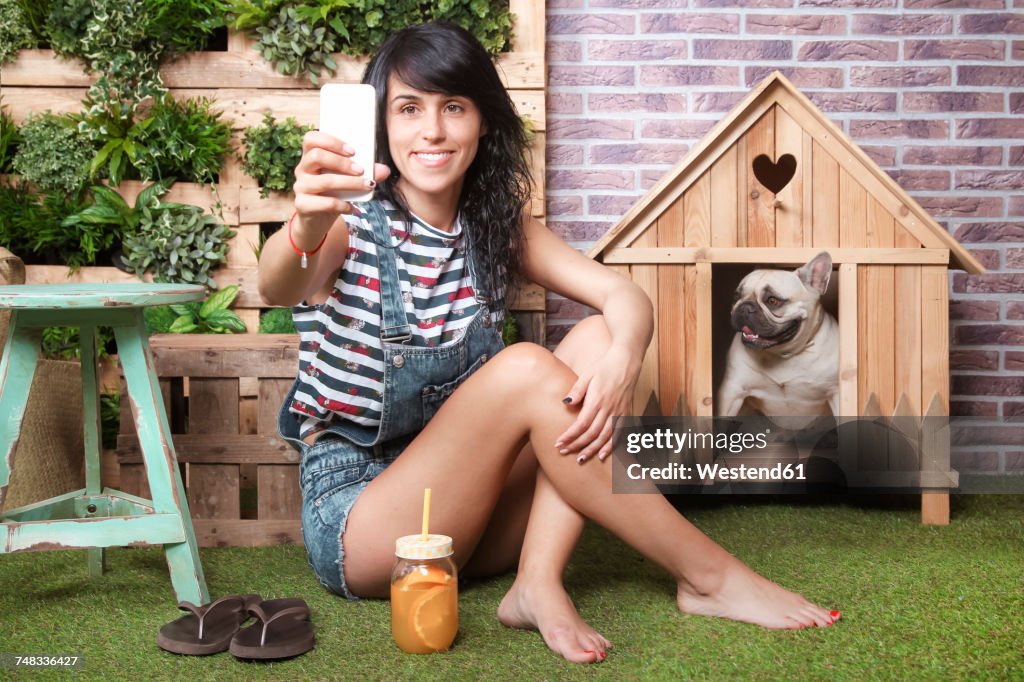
{"x":835,"y":614}
{"x":588,"y":651}
{"x":602,"y":655}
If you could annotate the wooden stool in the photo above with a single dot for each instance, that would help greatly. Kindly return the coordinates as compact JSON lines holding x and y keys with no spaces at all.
{"x":91,"y":518}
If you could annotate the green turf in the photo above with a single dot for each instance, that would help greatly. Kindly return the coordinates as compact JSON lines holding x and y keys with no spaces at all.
{"x":918,"y":602}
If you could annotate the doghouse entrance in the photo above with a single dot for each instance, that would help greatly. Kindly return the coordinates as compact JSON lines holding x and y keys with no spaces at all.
{"x":724,"y":281}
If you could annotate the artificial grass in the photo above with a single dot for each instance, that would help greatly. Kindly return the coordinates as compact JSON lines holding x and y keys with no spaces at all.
{"x":918,"y":602}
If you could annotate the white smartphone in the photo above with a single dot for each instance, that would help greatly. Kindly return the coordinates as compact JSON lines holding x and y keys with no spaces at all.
{"x":348,"y":111}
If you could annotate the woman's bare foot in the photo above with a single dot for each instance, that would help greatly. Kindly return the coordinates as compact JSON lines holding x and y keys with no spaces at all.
{"x":745,"y":596}
{"x":548,"y":609}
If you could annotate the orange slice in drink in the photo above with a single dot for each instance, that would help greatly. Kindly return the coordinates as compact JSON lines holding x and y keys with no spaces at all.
{"x":433,"y":619}
{"x":424,"y":577}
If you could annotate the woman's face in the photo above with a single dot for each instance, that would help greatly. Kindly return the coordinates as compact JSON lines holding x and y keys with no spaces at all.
{"x":433,"y":139}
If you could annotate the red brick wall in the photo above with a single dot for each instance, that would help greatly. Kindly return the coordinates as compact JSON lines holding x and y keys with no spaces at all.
{"x":933,"y":90}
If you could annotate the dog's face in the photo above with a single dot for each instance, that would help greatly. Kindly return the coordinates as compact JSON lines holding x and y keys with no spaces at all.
{"x":777,"y":309}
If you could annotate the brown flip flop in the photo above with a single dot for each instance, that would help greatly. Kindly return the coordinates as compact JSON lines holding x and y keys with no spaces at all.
{"x":206,"y":629}
{"x":282,"y":630}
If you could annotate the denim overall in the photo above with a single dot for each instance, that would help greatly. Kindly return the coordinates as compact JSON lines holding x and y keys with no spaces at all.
{"x":417,"y":380}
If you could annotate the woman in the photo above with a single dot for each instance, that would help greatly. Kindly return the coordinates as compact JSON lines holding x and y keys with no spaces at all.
{"x":401,"y":385}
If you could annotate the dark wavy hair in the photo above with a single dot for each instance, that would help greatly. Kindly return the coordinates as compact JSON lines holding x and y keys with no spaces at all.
{"x":440,"y":57}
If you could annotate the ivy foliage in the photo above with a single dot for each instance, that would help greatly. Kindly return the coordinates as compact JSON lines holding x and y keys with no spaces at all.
{"x":298,"y":36}
{"x":124,"y":43}
{"x":29,"y":227}
{"x":272,"y":151}
{"x":17,"y":30}
{"x":277,"y":321}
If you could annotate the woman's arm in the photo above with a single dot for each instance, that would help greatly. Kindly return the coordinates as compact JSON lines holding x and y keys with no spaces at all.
{"x":608,"y":391}
{"x":325,"y":167}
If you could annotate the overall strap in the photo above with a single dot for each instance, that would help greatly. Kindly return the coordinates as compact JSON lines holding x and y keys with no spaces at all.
{"x":394,"y":325}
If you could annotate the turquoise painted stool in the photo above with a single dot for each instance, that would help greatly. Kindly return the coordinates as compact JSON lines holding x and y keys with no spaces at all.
{"x":91,"y":518}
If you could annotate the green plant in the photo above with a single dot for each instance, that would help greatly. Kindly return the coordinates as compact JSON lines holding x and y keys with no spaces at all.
{"x":17,"y":32}
{"x":298,"y":36}
{"x":110,"y":419}
{"x":186,"y":139}
{"x":277,"y":321}
{"x":29,"y":226}
{"x":121,"y":140}
{"x":509,"y":330}
{"x":36,"y":13}
{"x":125,"y":42}
{"x":177,"y":243}
{"x":272,"y":151}
{"x":209,"y":317}
{"x":109,"y":210}
{"x":10,"y":138}
{"x":53,"y":154}
{"x":62,"y":343}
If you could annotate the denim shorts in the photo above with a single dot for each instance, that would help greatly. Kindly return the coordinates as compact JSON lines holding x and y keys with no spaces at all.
{"x":333,"y":472}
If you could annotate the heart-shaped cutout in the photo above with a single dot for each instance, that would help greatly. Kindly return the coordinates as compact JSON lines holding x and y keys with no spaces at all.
{"x":774,"y":175}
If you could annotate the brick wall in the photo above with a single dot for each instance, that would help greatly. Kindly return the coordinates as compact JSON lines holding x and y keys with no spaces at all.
{"x":932,"y":90}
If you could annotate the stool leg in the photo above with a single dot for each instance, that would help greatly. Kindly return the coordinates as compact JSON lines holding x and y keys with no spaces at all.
{"x":17,"y":368}
{"x":91,"y":420}
{"x":158,"y":454}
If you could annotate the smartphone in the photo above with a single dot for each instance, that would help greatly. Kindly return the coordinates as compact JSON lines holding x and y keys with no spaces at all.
{"x":348,"y":111}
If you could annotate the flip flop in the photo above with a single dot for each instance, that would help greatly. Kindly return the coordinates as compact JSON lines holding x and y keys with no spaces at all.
{"x":282,"y":630}
{"x":206,"y":629}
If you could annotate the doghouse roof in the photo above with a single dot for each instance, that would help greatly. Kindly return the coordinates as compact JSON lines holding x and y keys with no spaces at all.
{"x":774,"y":119}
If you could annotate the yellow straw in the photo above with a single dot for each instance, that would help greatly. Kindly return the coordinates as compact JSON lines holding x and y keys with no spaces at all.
{"x":426,"y":511}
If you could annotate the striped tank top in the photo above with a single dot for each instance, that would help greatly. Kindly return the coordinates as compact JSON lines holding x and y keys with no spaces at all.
{"x":341,"y":358}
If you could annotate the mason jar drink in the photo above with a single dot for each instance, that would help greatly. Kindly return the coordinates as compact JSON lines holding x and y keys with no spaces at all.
{"x":424,"y":594}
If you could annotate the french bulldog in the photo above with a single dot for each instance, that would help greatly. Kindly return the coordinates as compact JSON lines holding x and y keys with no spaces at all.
{"x":784,"y":359}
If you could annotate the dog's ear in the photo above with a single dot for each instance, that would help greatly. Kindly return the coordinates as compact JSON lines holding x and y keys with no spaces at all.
{"x":817,"y":272}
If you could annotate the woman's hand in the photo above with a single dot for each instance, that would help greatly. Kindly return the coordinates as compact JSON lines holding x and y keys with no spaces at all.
{"x":326,"y":168}
{"x":605,"y":393}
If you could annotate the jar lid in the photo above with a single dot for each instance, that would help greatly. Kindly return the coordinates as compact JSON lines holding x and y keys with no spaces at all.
{"x":416,"y":547}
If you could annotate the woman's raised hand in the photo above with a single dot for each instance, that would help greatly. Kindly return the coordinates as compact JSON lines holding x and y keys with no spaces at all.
{"x":326,"y":168}
{"x":606,"y":393}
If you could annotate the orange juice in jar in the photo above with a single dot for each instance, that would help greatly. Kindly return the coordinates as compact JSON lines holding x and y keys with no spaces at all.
{"x":424,"y":594}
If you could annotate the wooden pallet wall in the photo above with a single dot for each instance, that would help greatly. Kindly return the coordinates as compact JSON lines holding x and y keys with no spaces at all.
{"x":244,"y":86}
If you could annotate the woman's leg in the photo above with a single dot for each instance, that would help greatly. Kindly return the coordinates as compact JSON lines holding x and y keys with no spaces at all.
{"x":466,"y":453}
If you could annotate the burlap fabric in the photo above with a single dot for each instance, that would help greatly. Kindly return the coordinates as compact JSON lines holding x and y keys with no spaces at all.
{"x":49,"y":456}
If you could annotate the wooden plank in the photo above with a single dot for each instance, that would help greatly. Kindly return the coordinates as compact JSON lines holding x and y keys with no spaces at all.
{"x":760,"y":139}
{"x":697,"y":214}
{"x":935,"y":336}
{"x":213,"y":448}
{"x":247,"y":415}
{"x":242,"y":247}
{"x":213,"y":491}
{"x":272,"y":393}
{"x":213,"y":406}
{"x":723,"y":199}
{"x":789,"y":203}
{"x":907,"y":335}
{"x":646,"y":277}
{"x":693,"y":340}
{"x":807,"y":210}
{"x":518,"y":70}
{"x":701,"y":397}
{"x":853,"y":212}
{"x":277,"y":492}
{"x":778,"y":256}
{"x":247,"y":533}
{"x":529,"y":27}
{"x":672,"y":330}
{"x":225,"y":355}
{"x":877,"y":350}
{"x":849,"y":403}
{"x":825,"y":198}
{"x":538,"y":172}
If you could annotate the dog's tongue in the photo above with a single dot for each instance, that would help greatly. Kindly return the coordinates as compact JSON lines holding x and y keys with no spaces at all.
{"x":748,"y":330}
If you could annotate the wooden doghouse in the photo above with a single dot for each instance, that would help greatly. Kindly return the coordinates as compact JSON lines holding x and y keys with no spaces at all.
{"x":773,"y":184}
